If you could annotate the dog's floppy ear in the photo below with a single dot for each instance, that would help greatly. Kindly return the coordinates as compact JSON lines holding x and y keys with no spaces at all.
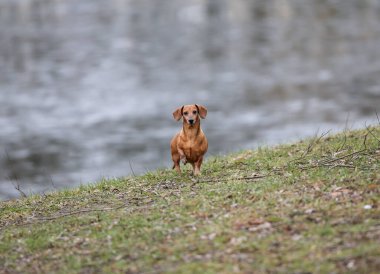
{"x":202,"y":111}
{"x":177,"y":114}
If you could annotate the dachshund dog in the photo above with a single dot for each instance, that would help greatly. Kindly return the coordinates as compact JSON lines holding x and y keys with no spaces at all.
{"x":190,"y":144}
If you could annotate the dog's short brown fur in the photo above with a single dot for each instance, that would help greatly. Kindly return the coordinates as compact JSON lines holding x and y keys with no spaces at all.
{"x":190,"y":144}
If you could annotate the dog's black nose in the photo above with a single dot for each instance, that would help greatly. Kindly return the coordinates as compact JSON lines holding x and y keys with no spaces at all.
{"x":191,"y":121}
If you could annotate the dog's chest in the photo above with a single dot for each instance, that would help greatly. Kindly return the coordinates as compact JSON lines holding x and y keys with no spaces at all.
{"x":193,"y":149}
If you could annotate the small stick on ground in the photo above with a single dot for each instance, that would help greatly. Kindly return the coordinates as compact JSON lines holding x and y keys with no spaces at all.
{"x":374,"y":136}
{"x":339,"y":165}
{"x":344,"y":156}
{"x":344,"y":142}
{"x":79,"y":212}
{"x":365,"y":140}
{"x":232,"y":179}
{"x":314,"y":141}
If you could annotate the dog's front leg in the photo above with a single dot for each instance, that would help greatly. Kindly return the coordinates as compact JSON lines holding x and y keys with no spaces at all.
{"x":182,"y":156}
{"x":197,"y":167}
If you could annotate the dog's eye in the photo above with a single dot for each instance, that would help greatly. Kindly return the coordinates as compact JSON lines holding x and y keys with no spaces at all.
{"x":185,"y":113}
{"x":194,"y":112}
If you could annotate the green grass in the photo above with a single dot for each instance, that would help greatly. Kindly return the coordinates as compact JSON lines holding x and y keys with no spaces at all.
{"x":314,"y":209}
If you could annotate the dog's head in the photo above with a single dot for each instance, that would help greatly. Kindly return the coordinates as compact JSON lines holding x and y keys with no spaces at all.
{"x":190,"y":113}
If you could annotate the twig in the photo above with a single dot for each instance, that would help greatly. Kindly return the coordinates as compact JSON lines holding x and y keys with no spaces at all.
{"x":311,"y":144}
{"x":326,"y":165}
{"x":374,"y":136}
{"x":16,"y":185}
{"x":365,"y":141}
{"x":339,"y":165}
{"x":346,"y":123}
{"x":51,"y":180}
{"x":53,"y":217}
{"x":309,"y":167}
{"x":344,"y":156}
{"x":130,"y":166}
{"x":232,"y":179}
{"x":79,"y":212}
{"x":323,"y":135}
{"x":344,"y":142}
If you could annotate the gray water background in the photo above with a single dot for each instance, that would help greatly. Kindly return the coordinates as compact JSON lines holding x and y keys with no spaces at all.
{"x":88,"y":87}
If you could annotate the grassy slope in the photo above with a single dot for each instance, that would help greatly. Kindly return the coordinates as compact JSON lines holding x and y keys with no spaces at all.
{"x":308,"y":214}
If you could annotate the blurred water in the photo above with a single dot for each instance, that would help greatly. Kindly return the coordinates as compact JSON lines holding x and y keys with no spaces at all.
{"x":87,"y":87}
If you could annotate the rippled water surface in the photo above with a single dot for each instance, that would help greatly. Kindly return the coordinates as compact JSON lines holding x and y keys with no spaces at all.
{"x":87,"y":87}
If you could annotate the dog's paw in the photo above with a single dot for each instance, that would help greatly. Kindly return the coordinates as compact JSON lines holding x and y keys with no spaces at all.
{"x":184,"y":160}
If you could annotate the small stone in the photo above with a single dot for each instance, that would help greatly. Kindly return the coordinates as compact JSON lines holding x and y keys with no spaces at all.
{"x":238,"y":241}
{"x":367,"y":207}
{"x":296,"y":237}
{"x":212,"y":236}
{"x":351,"y":264}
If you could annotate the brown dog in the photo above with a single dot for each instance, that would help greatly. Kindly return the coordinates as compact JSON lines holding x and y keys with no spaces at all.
{"x":190,"y":144}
